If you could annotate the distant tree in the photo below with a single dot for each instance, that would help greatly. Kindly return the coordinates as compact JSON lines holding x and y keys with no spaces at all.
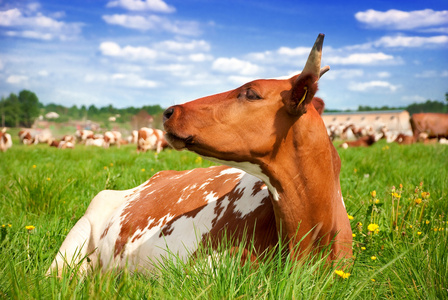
{"x":29,"y":106}
{"x":92,"y":111}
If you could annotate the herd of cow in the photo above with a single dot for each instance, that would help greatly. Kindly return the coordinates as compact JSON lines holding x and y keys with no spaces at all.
{"x":145,"y":139}
{"x":427,"y":128}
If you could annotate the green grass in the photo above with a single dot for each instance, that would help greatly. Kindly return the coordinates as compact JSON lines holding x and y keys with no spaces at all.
{"x":50,"y":189}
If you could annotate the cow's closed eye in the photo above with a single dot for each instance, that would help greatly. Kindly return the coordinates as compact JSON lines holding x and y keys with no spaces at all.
{"x":249,"y":94}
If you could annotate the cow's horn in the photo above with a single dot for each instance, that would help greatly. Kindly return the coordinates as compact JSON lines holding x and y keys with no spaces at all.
{"x":313,"y":63}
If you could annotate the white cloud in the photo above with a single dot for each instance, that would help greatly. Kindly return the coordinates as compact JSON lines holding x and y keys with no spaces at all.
{"x":383,"y":74}
{"x":234,"y":65}
{"x":432,"y":74}
{"x":121,"y":79}
{"x":176,"y":46}
{"x":410,"y":41}
{"x":145,"y":5}
{"x":1,"y":65}
{"x":127,"y":52}
{"x":372,"y":85}
{"x":37,"y":26}
{"x":299,"y":51}
{"x":402,"y":20}
{"x":200,"y":57}
{"x":133,"y":80}
{"x":153,"y":22}
{"x":17,"y":79}
{"x":43,"y":73}
{"x":360,"y":59}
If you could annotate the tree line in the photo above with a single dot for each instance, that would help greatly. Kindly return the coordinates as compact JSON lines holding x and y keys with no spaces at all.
{"x":23,"y":109}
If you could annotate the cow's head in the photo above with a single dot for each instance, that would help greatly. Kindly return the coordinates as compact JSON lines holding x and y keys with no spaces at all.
{"x":246,"y":123}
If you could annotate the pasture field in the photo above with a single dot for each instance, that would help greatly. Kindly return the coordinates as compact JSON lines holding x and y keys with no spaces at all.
{"x":396,"y":197}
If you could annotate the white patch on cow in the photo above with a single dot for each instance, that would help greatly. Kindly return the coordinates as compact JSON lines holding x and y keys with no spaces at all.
{"x":252,"y":169}
{"x":250,"y":202}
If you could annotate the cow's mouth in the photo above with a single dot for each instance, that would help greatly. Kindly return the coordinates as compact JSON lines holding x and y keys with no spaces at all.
{"x":178,"y":142}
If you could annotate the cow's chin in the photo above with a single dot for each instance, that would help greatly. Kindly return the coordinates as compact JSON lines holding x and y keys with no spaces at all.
{"x":178,"y":142}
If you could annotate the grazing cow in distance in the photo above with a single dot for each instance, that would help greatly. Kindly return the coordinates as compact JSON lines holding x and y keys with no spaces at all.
{"x":403,"y":139}
{"x":364,"y":141}
{"x":26,"y":137}
{"x":151,"y":139}
{"x":5,"y":140}
{"x":62,"y":144}
{"x":69,"y":138}
{"x":289,"y":187}
{"x":112,"y":138}
{"x":434,"y":124}
{"x":82,"y":135}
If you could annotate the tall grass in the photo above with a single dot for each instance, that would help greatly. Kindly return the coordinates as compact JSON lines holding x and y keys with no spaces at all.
{"x":404,"y":256}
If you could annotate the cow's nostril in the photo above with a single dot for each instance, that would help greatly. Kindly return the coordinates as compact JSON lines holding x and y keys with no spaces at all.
{"x":168,"y":113}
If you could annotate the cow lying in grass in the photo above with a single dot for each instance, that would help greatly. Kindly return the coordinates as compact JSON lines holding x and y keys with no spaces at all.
{"x":289,"y":189}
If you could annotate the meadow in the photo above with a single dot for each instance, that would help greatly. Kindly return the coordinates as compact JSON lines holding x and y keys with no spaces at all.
{"x":396,"y":198}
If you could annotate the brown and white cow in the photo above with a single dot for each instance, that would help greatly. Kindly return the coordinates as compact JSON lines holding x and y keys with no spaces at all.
{"x":151,"y":139}
{"x":62,"y":144}
{"x":268,"y":128}
{"x":28,"y":137}
{"x":434,"y":124}
{"x":82,"y":135}
{"x":112,"y":138}
{"x":5,"y":140}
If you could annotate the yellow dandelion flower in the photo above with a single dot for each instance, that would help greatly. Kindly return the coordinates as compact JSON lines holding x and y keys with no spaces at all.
{"x":363,"y":248}
{"x":418,"y":200}
{"x":152,"y":169}
{"x":353,"y":235}
{"x":396,"y":195}
{"x":373,"y":280}
{"x":34,"y":166}
{"x":377,"y":201}
{"x":143,"y":170}
{"x":9,"y":225}
{"x":48,"y":178}
{"x":355,"y":170}
{"x":427,"y":222}
{"x":350,"y":217}
{"x":342,"y":274}
{"x":372,"y":227}
{"x":435,"y":229}
{"x":111,"y":164}
{"x":3,"y":225}
{"x":373,"y":193}
{"x":419,"y":233}
{"x":105,"y":168}
{"x":30,"y":227}
{"x":373,"y":257}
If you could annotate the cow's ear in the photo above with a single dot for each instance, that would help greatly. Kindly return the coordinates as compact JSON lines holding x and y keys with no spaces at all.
{"x":302,"y":93}
{"x":305,"y":85}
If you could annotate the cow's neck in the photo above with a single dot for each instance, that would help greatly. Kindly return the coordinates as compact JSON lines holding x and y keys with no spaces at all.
{"x":302,"y":173}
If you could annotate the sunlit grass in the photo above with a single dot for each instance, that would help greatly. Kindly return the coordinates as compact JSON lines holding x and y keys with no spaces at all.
{"x":396,"y":197}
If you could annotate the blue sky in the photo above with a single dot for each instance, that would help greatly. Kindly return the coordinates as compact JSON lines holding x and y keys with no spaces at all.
{"x":135,"y":53}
